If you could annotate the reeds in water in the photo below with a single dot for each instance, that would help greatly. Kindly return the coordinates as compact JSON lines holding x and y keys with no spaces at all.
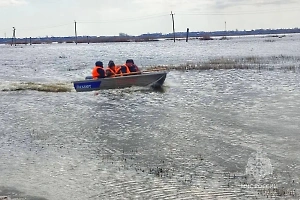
{"x":281,"y":62}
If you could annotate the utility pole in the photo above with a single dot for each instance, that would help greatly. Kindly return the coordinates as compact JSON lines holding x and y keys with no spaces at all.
{"x":225,"y":29}
{"x":187,"y":34}
{"x":75,"y":32}
{"x":172,"y":14}
{"x":13,"y":36}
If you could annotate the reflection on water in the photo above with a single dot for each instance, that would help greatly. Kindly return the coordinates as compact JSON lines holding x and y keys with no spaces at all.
{"x":193,"y":139}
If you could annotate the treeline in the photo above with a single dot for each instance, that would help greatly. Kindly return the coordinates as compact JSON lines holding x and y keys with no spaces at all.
{"x":204,"y":34}
{"x":80,"y":39}
{"x":143,"y":37}
{"x":237,"y":32}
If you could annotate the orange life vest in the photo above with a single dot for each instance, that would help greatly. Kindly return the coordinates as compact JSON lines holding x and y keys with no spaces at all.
{"x":111,"y":71}
{"x":95,"y":73}
{"x":117,"y":68}
{"x":123,"y":69}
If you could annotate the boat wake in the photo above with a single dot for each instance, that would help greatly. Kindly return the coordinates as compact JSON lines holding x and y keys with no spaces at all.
{"x":41,"y":87}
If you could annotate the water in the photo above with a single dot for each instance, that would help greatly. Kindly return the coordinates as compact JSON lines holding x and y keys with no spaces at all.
{"x":193,"y":140}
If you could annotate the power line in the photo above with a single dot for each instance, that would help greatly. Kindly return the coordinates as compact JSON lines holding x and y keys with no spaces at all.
{"x":124,"y":20}
{"x":106,"y":21}
{"x":163,"y":15}
{"x":252,"y":4}
{"x":242,"y":12}
{"x":42,"y":28}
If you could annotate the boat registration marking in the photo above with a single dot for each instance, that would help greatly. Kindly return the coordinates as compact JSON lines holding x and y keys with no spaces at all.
{"x":84,"y":86}
{"x":92,"y":85}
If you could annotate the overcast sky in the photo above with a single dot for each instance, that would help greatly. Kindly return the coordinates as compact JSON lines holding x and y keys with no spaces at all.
{"x":34,"y":18}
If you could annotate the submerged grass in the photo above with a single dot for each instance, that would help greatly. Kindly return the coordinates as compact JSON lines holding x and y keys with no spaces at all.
{"x":281,"y":62}
{"x":55,"y":87}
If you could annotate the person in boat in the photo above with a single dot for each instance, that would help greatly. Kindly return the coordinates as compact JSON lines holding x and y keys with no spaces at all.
{"x":98,"y":71}
{"x":131,"y":66}
{"x":128,"y":67}
{"x":111,"y":69}
{"x":123,"y":70}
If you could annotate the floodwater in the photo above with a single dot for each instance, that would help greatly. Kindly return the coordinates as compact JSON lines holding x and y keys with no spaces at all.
{"x":208,"y":134}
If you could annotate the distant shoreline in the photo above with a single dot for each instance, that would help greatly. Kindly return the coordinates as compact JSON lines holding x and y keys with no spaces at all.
{"x":151,"y":37}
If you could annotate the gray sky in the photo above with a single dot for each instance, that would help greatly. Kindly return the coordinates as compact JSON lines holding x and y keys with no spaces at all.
{"x":34,"y":18}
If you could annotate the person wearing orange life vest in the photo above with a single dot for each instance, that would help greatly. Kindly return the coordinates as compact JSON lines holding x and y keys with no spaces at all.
{"x":123,"y":69}
{"x":111,"y":69}
{"x":131,"y":66}
{"x":128,"y":67}
{"x":98,"y":71}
